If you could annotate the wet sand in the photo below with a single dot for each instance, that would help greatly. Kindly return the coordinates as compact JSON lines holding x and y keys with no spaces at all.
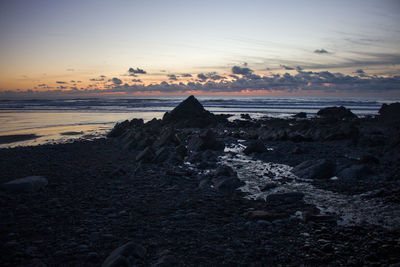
{"x":8,"y":139}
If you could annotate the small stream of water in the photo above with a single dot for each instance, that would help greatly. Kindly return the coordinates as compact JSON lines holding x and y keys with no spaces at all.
{"x":350,"y":209}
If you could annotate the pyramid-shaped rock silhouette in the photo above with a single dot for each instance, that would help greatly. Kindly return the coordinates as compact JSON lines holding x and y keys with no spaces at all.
{"x":190,"y":113}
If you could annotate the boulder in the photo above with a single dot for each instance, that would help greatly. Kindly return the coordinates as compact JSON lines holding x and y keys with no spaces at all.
{"x":226,"y":171}
{"x":245,"y":116}
{"x":390,"y":112}
{"x":301,"y":115}
{"x":190,"y":113}
{"x":227,"y":184}
{"x":26,"y":184}
{"x":206,"y":141}
{"x":255,"y":147}
{"x":119,"y":129}
{"x":358,"y":171}
{"x":336,"y":113}
{"x":168,"y":137}
{"x":315,"y":169}
{"x":125,"y":255}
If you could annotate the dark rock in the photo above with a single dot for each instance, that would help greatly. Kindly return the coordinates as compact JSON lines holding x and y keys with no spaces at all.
{"x":315,"y":169}
{"x":285,"y":198}
{"x":268,"y":186}
{"x":245,"y":116}
{"x":255,"y":147}
{"x":390,"y":112}
{"x":355,"y":172}
{"x":301,"y":115}
{"x":190,"y":113}
{"x":320,"y":218}
{"x":206,"y":141}
{"x":226,"y":171}
{"x":26,"y":184}
{"x":367,"y":159}
{"x":262,"y":215}
{"x":125,"y":255}
{"x":227,"y":185}
{"x":147,"y":155}
{"x":168,"y":137}
{"x":118,"y":129}
{"x":336,"y":113}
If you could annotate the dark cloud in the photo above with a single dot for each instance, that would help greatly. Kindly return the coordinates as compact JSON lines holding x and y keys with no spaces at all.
{"x":298,"y":68}
{"x":234,"y":76}
{"x":301,"y":82}
{"x":99,"y":79}
{"x":360,"y":71}
{"x":136,"y":80}
{"x":172,"y":77}
{"x":116,"y":81}
{"x":42,"y":85}
{"x":242,"y":71}
{"x":201,"y":76}
{"x":320,"y":51}
{"x":62,"y":87}
{"x":186,"y":75}
{"x":136,"y":71}
{"x":61,"y":82}
{"x":286,"y":67}
{"x":214,"y":76}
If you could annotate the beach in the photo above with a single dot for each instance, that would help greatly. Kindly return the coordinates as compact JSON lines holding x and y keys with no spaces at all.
{"x":197,"y":189}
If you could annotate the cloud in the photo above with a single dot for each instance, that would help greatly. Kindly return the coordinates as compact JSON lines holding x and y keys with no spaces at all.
{"x":240,"y":70}
{"x":360,"y":71}
{"x":172,"y":77}
{"x":201,"y":76}
{"x":298,"y":68}
{"x":70,"y":70}
{"x":186,"y":75}
{"x":214,"y":76}
{"x":61,"y":82}
{"x":286,"y":67}
{"x":321,"y":51}
{"x":99,"y":79}
{"x":302,"y":82}
{"x":115,"y":81}
{"x":136,"y":71}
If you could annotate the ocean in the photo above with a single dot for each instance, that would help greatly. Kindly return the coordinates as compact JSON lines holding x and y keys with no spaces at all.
{"x":61,"y":120}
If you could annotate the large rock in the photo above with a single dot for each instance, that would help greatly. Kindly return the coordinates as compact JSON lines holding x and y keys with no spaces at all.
{"x":227,"y":185}
{"x":336,"y":113}
{"x":390,"y":112}
{"x":315,"y":169}
{"x":255,"y":147}
{"x":190,"y":113}
{"x":27,"y":184}
{"x":358,"y":171}
{"x":122,"y":127}
{"x":125,"y":255}
{"x":206,"y":141}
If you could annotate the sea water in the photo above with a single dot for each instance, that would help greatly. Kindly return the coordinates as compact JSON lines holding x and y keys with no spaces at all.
{"x":59,"y":120}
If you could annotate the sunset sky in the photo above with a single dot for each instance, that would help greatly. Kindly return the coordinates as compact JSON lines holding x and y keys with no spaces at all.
{"x":83,"y":47}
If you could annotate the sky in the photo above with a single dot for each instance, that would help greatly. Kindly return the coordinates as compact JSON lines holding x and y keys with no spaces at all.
{"x":121,"y":47}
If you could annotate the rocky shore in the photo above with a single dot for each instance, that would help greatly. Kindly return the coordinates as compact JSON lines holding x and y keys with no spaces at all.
{"x":196,"y":189}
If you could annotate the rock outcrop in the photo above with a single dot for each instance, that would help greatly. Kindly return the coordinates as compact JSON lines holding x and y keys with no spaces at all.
{"x":338,"y":113}
{"x":191,"y":113}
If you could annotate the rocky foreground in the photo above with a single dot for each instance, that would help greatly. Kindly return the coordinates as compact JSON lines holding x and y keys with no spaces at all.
{"x":164,"y":193}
